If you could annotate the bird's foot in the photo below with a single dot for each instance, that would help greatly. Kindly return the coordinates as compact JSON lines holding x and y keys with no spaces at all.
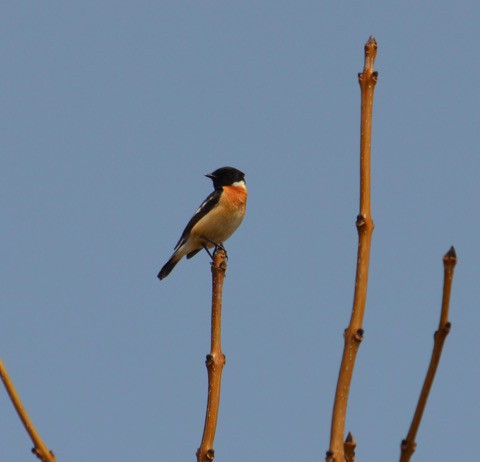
{"x":216,"y":246}
{"x":219,"y":246}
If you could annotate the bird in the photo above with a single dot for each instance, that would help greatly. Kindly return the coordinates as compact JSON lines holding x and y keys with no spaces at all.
{"x":217,"y":218}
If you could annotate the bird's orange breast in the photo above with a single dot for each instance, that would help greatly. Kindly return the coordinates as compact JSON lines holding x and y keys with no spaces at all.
{"x":222,"y":221}
{"x":235,"y":197}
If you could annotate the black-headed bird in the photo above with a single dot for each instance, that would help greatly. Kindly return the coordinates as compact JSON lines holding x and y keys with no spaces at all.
{"x":215,"y":220}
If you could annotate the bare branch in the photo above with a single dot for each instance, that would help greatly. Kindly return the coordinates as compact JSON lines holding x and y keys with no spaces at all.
{"x":40,"y":449}
{"x":215,"y":360}
{"x":408,"y":444}
{"x":349,"y":448}
{"x":354,"y":333}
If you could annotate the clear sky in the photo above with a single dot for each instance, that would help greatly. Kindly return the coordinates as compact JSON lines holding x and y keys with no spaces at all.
{"x":112,"y":111}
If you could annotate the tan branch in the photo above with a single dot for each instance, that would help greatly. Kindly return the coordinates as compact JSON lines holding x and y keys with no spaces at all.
{"x":39,"y":449}
{"x":408,"y":444}
{"x":354,"y":333}
{"x":349,"y":448}
{"x":215,"y":360}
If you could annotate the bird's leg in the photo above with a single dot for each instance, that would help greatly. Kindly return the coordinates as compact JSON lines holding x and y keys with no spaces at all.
{"x":208,"y":251}
{"x":217,"y":245}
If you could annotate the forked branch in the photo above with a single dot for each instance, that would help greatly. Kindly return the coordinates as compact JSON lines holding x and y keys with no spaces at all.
{"x":408,"y":444}
{"x":39,"y":447}
{"x":215,"y":360}
{"x":354,"y":333}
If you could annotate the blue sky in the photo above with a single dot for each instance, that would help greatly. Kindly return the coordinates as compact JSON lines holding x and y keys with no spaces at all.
{"x":111,"y":112}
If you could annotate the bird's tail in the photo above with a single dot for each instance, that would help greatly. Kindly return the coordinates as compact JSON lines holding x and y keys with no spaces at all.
{"x":168,"y":267}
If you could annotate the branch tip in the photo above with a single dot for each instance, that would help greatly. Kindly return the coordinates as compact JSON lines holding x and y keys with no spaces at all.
{"x":350,"y":438}
{"x":349,"y":448}
{"x":370,"y":54}
{"x":450,"y":257}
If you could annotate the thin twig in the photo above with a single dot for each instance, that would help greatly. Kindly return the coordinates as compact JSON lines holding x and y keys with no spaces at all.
{"x":408,"y":444}
{"x":349,"y":448}
{"x":40,"y":449}
{"x":354,"y":333}
{"x":215,"y":360}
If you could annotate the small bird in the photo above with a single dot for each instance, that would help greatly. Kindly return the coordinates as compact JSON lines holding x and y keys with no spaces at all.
{"x":215,"y":220}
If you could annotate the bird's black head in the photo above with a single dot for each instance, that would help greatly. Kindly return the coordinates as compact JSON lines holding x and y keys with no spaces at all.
{"x":226,"y":176}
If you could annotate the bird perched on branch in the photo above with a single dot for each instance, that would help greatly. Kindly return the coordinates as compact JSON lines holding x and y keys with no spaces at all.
{"x":215,"y":220}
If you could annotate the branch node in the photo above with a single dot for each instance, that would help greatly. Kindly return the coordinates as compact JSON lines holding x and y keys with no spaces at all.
{"x":210,"y":454}
{"x":446,"y":328}
{"x":209,"y":360}
{"x":361,"y":220}
{"x":409,"y":446}
{"x":359,"y":335}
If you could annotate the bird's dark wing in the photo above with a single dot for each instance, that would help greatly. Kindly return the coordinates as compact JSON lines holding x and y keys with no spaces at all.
{"x":208,"y":204}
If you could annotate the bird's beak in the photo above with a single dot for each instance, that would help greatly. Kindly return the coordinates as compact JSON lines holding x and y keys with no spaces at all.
{"x":210,"y":175}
